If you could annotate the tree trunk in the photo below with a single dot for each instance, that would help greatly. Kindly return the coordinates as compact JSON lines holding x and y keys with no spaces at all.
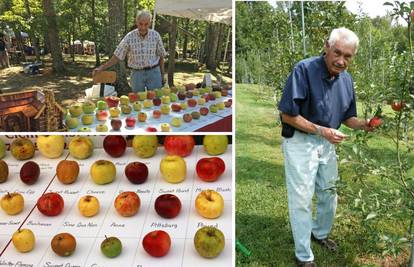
{"x":53,"y":35}
{"x":95,"y":36}
{"x":172,"y":40}
{"x":211,"y":62}
{"x":115,"y":34}
{"x":125,"y":17}
{"x":33,"y":38}
{"x":72,"y":51}
{"x":221,"y":40}
{"x":185,"y":41}
{"x":204,"y":47}
{"x":19,"y":42}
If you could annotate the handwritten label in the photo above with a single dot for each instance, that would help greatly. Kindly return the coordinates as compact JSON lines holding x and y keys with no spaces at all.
{"x":164,"y":225}
{"x":95,"y":192}
{"x":68,"y":192}
{"x":220,"y":189}
{"x":27,"y":192}
{"x":178,"y":190}
{"x":17,"y":263}
{"x":201,"y":224}
{"x":10,"y":223}
{"x":68,"y":264}
{"x":38,"y":223}
{"x":79,"y":224}
{"x":114,"y":224}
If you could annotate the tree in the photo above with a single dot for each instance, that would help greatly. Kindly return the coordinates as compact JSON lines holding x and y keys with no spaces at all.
{"x":95,"y":34}
{"x":211,"y":47}
{"x":171,"y":49}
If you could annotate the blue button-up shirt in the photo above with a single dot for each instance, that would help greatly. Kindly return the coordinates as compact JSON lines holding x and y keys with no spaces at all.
{"x":311,"y":93}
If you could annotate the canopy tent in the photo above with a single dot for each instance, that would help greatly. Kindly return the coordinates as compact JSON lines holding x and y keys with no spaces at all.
{"x":212,"y":10}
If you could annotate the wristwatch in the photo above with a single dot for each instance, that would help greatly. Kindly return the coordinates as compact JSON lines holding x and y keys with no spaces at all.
{"x":318,"y":130}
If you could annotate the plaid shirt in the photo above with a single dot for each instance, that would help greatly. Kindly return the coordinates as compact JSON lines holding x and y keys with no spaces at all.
{"x":142,"y":51}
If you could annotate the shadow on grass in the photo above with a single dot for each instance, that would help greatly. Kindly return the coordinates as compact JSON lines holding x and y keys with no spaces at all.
{"x":264,"y":171}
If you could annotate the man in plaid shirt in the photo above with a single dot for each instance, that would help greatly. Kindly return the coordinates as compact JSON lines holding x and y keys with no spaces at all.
{"x":145,"y":53}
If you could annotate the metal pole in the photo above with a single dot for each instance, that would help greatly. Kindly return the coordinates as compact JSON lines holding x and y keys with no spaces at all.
{"x":303,"y":29}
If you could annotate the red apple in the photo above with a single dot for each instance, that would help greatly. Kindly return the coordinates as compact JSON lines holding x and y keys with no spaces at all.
{"x":204,"y":111}
{"x":180,"y":145}
{"x":375,"y":122}
{"x":187,"y":117}
{"x":181,"y":95}
{"x":132,"y":97}
{"x":167,"y":206}
{"x":156,"y":114}
{"x":116,"y":124}
{"x":224,"y":92}
{"x":205,"y":96}
{"x":157,"y":243}
{"x":151,"y":94}
{"x":127,"y":204}
{"x":211,"y":96}
{"x":190,"y":86}
{"x":176,"y":107}
{"x":397,"y":106}
{"x":210,"y":169}
{"x":227,"y":104}
{"x":156,"y":101}
{"x":114,"y":145}
{"x":112,"y":101}
{"x":50,"y":204}
{"x":130,"y":122}
{"x":136,"y":172}
{"x":151,"y":129}
{"x":29,"y":173}
{"x":192,"y":102}
{"x":102,"y":115}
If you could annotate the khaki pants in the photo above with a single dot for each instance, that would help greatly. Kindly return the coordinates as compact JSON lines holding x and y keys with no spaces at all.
{"x":4,"y":59}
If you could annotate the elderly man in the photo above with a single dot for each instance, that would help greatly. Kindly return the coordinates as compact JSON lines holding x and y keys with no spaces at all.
{"x":145,"y":53}
{"x":317,"y":98}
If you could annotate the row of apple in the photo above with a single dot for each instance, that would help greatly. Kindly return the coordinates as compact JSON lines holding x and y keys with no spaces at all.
{"x":81,"y":147}
{"x":209,"y":242}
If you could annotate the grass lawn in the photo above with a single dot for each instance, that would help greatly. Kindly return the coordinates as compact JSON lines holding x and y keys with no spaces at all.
{"x":262,"y":223}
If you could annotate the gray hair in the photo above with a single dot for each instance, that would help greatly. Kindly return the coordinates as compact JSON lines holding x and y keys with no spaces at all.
{"x":143,"y":14}
{"x":345,"y":35}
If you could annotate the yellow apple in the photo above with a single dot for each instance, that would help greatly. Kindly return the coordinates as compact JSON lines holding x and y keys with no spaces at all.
{"x":81,"y":147}
{"x":145,"y":146}
{"x":88,"y":206}
{"x":23,"y":240}
{"x":51,"y":146}
{"x":165,"y":109}
{"x":173,"y":169}
{"x":103,"y":172}
{"x":209,"y":204}
{"x":12,"y":203}
{"x":165,"y":127}
{"x":176,"y":122}
{"x":215,"y":144}
{"x":22,"y":148}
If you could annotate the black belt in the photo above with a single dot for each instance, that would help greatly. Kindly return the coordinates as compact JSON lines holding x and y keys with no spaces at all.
{"x":147,"y":68}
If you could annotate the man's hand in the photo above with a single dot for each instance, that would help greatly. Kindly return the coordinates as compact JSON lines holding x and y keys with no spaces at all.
{"x":96,"y":70}
{"x":162,"y":79}
{"x":366,"y":127}
{"x":332,"y":135}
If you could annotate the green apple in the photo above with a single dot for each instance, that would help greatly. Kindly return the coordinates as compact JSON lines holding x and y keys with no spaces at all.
{"x":87,"y":119}
{"x":209,"y":242}
{"x":101,"y":128}
{"x":201,"y":101}
{"x":2,"y":149}
{"x":23,"y":240}
{"x":184,"y":105}
{"x":72,"y":122}
{"x":196,"y":92}
{"x":142,"y":96}
{"x":88,"y":107}
{"x":173,"y":97}
{"x":81,"y":147}
{"x":22,"y":148}
{"x":217,"y":94}
{"x":213,"y":108}
{"x":111,"y":247}
{"x":102,"y":105}
{"x":51,"y":146}
{"x":137,"y":106}
{"x":126,"y":109}
{"x":165,"y":109}
{"x":84,"y":129}
{"x":165,"y":99}
{"x":124,"y":100}
{"x":220,"y":105}
{"x":12,"y":203}
{"x":4,"y":171}
{"x":166,"y":91}
{"x":176,"y":122}
{"x":145,"y":146}
{"x":103,"y":172}
{"x":158,"y":92}
{"x":173,"y":169}
{"x":215,"y":144}
{"x":75,"y":110}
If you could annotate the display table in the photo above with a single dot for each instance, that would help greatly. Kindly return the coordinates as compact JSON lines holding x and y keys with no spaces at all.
{"x":90,"y":232}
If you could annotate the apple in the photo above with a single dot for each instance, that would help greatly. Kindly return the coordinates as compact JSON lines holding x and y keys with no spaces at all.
{"x":111,"y":247}
{"x":112,"y":101}
{"x":151,"y":95}
{"x":158,"y":92}
{"x":217,"y":94}
{"x":196,"y":92}
{"x":63,"y":244}
{"x":166,"y":91}
{"x":213,"y":108}
{"x":397,"y":106}
{"x":145,"y":146}
{"x":136,"y":172}
{"x":215,"y":144}
{"x":375,"y":122}
{"x":148,"y":103}
{"x":67,"y":171}
{"x":150,"y":129}
{"x":102,"y":105}
{"x":50,"y":146}
{"x":176,"y":122}
{"x":210,"y":169}
{"x":184,"y":105}
{"x":176,"y":107}
{"x":88,"y":206}
{"x":165,"y":127}
{"x":130,"y":122}
{"x":81,"y":147}
{"x":165,"y":109}
{"x":173,"y":89}
{"x":102,"y":115}
{"x":88,"y":107}
{"x":201,"y":101}
{"x":220,"y":105}
{"x":29,"y":173}
{"x":181,"y":95}
{"x":209,"y":204}
{"x":190,"y":86}
{"x":4,"y":171}
{"x":85,"y":129}
{"x":204,"y":111}
{"x":165,"y":99}
{"x":173,"y":97}
{"x":12,"y":203}
{"x":103,"y":172}
{"x":116,"y":124}
{"x":71,"y":122}
{"x":192,"y":102}
{"x":156,"y":101}
{"x":126,"y":109}
{"x":167,"y":206}
{"x":50,"y":204}
{"x":124,"y":100}
{"x":227,"y":104}
{"x":137,"y":106}
{"x":142,"y":117}
{"x":156,"y":114}
{"x":187,"y":117}
{"x":114,"y":145}
{"x":22,"y":148}
{"x":157,"y":243}
{"x":209,"y":242}
{"x":23,"y":240}
{"x":180,"y":145}
{"x":127,"y":204}
{"x":142,"y":96}
{"x":224,"y":92}
{"x":189,"y":94}
{"x":173,"y":169}
{"x":87,"y":119}
{"x":75,"y":110}
{"x":195,"y":115}
{"x":133,"y":97}
{"x":101,"y":127}
{"x":114,"y":111}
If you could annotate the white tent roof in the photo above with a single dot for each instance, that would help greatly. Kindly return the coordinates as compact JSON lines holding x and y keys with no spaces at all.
{"x":210,"y":10}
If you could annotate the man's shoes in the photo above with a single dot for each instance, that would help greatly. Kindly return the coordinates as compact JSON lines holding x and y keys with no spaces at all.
{"x":326,"y":243}
{"x":305,"y":263}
